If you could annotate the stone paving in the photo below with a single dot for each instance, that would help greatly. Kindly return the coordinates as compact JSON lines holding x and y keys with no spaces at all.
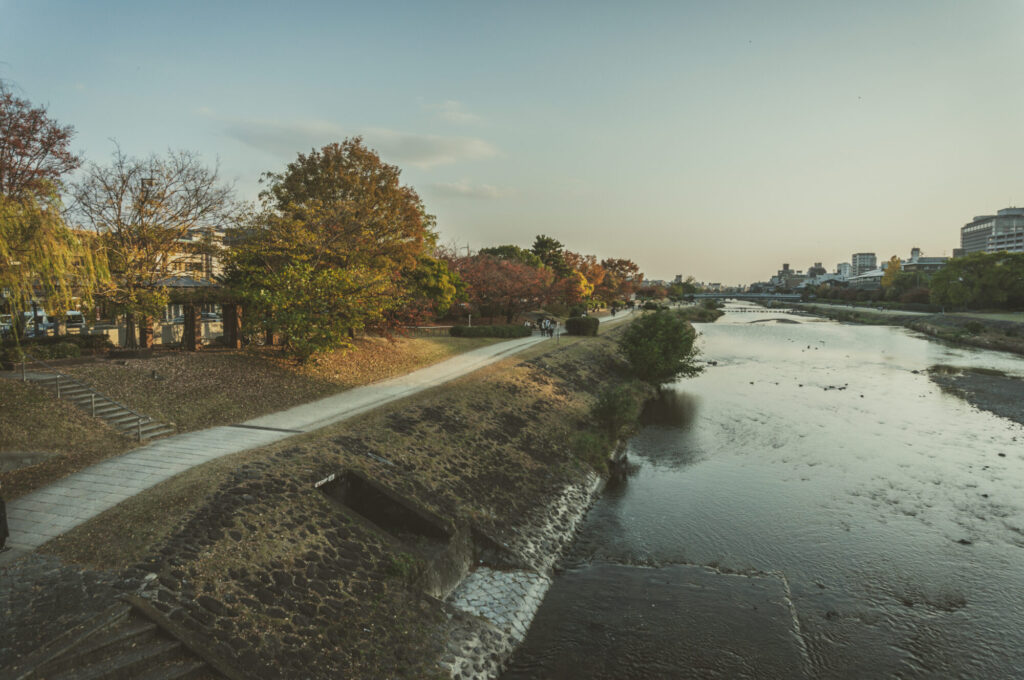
{"x":508,"y":599}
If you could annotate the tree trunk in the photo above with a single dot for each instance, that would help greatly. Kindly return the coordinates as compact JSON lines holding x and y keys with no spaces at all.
{"x":232,"y":325}
{"x":130,"y":341}
{"x":192,"y":333}
{"x":146,"y":332}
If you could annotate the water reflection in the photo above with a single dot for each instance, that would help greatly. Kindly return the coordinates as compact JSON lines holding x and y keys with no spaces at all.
{"x":670,"y":408}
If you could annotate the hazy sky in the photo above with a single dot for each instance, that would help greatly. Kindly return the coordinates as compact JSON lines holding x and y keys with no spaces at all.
{"x":717,"y":139}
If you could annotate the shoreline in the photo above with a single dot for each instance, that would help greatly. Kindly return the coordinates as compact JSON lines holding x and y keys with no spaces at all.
{"x":1001,"y":395}
{"x":972,"y":331}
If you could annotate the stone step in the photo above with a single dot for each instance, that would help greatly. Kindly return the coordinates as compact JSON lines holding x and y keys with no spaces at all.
{"x":124,"y":666}
{"x":69,"y":392}
{"x":155,"y":430}
{"x":103,"y":645}
{"x":123,"y":418}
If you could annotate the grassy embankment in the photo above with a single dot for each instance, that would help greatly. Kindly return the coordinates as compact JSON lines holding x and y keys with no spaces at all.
{"x":300,"y":581}
{"x":190,"y":390}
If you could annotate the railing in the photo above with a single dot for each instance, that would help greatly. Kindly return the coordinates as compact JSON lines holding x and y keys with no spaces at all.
{"x":58,"y":377}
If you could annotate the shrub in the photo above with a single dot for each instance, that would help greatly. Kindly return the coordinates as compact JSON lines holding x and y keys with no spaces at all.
{"x":651,"y":305}
{"x":582,"y":325}
{"x":974,"y":327}
{"x":490,"y":331}
{"x":615,"y":408}
{"x":13,"y":355}
{"x":577,"y":310}
{"x":660,"y":347}
{"x":591,"y":448}
{"x":92,"y":341}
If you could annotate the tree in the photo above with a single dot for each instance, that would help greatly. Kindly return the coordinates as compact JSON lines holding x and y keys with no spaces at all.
{"x":41,"y":257}
{"x":551,"y":253}
{"x":34,"y":148}
{"x":502,"y":287}
{"x":891,"y":272}
{"x":588,"y":266}
{"x":142,"y":209}
{"x":338,"y":208}
{"x":660,"y":347}
{"x":981,"y":280}
{"x":514,"y":253}
{"x":622,"y":278}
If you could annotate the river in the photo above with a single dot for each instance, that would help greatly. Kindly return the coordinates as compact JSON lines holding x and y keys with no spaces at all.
{"x":813,"y":506}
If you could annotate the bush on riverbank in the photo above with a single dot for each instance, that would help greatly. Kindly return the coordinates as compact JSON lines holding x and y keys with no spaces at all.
{"x":582,"y":325}
{"x":510,"y":331}
{"x":616,"y":408}
{"x":659,"y":347}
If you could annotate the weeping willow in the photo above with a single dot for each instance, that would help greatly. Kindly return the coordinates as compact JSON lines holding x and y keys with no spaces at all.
{"x":43,"y":259}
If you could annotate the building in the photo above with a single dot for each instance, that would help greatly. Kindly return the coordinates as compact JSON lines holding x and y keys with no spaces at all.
{"x":816,"y":270}
{"x":862,"y":262}
{"x":787,"y":278}
{"x":843,"y":269}
{"x":869,"y":280}
{"x":1003,"y":231}
{"x":917,"y":263}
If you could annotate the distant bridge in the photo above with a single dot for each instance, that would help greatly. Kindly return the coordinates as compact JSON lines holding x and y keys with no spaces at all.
{"x":753,"y":297}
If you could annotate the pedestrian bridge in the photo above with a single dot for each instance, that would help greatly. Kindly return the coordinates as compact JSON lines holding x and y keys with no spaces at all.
{"x":752,"y":297}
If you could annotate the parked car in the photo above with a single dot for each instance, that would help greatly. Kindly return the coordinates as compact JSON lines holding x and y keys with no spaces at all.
{"x":211,"y":316}
{"x":74,"y":320}
{"x":39,"y":324}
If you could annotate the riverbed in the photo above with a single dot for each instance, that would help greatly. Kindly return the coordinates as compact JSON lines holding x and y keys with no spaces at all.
{"x":814,"y":506}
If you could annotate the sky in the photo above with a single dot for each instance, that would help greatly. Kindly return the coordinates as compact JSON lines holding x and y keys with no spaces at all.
{"x":712,"y":139}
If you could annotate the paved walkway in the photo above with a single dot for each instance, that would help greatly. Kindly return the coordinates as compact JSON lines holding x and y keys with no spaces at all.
{"x":53,"y":510}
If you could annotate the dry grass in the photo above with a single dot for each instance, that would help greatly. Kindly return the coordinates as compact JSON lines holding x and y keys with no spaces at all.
{"x":487,"y":445}
{"x":203,"y":389}
{"x":192,"y":391}
{"x":34,"y":422}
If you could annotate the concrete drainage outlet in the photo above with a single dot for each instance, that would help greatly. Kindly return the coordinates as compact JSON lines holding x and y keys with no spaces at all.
{"x":445,"y":550}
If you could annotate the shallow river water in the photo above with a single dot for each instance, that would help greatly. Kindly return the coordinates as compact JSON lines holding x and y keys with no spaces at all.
{"x":814,"y":509}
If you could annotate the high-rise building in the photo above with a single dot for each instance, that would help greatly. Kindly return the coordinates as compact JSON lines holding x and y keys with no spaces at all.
{"x":862,"y":262}
{"x":843,"y":270}
{"x":994,"y":233}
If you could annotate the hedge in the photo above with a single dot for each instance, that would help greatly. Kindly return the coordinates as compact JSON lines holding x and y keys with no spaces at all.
{"x":490,"y":331}
{"x":582,"y":325}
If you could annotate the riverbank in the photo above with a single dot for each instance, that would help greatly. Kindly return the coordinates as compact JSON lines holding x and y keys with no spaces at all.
{"x":998,"y":332}
{"x":288,"y":579}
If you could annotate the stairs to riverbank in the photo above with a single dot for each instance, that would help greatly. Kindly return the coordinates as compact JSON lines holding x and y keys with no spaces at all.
{"x":123,"y":419}
{"x":126,"y":421}
{"x":117,"y":644}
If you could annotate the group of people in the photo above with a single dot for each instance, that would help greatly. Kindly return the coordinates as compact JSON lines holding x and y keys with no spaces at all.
{"x":546,"y":326}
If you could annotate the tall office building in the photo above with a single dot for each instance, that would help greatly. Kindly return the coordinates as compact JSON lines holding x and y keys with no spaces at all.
{"x":862,"y":262}
{"x":993,"y":233}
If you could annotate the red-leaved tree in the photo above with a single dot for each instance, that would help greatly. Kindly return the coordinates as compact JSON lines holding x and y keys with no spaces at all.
{"x":34,"y":148}
{"x":499,"y":287}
